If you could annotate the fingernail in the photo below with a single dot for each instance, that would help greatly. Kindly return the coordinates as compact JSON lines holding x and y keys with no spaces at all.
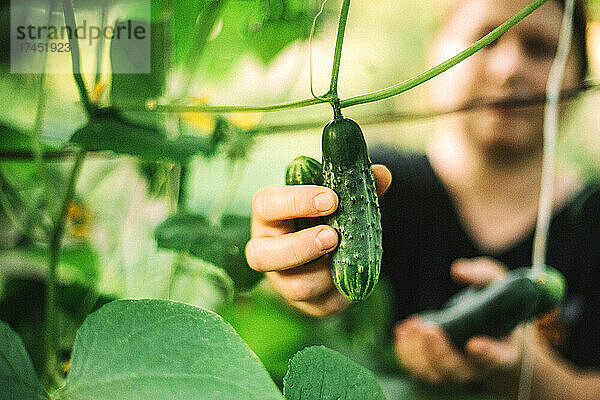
{"x":324,"y":202}
{"x":326,"y":239}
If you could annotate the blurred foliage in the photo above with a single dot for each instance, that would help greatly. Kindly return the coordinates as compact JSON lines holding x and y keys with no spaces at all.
{"x":222,"y":244}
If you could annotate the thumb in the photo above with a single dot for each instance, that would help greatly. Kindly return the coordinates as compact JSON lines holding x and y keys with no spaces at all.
{"x":477,"y":271}
{"x":383,"y":178}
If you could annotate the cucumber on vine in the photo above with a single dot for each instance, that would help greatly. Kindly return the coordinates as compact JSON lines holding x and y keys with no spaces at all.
{"x":498,"y":308}
{"x":347,"y":170}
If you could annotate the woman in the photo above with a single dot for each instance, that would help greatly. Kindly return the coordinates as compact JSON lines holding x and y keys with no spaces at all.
{"x":464,"y":213}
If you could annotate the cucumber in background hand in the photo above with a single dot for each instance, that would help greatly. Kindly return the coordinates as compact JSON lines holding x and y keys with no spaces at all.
{"x":498,"y":308}
{"x":347,"y":170}
{"x":304,"y":170}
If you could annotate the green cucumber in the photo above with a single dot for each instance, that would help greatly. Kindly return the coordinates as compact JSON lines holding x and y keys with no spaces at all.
{"x":304,"y":170}
{"x":356,"y":262}
{"x":498,"y":308}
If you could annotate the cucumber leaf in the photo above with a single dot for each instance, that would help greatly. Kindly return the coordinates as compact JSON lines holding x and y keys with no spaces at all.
{"x":14,"y":140}
{"x":318,"y":373}
{"x":110,"y":131}
{"x":162,"y":350}
{"x":18,"y":379}
{"x":222,"y":245}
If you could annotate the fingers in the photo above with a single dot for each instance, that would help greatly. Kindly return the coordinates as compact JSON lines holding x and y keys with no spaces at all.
{"x":477,"y":271}
{"x":308,"y":282}
{"x":498,"y":354}
{"x":411,"y":346}
{"x":426,"y":352}
{"x":383,"y":178}
{"x":290,"y":250}
{"x":276,"y":203}
{"x":325,"y":305}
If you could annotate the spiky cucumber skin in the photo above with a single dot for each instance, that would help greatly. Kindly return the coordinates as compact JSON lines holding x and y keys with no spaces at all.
{"x":356,"y":262}
{"x":499,"y":307}
{"x":304,"y":170}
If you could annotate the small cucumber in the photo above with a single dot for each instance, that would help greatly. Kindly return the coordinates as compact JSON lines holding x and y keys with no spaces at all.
{"x":499,"y":307}
{"x":347,"y":170}
{"x":304,"y":170}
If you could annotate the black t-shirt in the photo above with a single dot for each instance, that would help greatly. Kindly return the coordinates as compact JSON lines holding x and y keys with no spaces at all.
{"x":423,"y":235}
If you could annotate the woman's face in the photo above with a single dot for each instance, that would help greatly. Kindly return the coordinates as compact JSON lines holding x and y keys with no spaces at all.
{"x":516,"y":64}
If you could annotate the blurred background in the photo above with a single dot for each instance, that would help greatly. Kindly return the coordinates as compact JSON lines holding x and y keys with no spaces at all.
{"x":256,"y":54}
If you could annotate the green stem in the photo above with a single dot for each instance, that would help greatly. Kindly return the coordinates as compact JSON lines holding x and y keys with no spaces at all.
{"x":76,"y":58}
{"x":182,"y":194}
{"x":101,"y":44}
{"x":38,"y":126}
{"x":438,"y":69}
{"x":338,"y":49}
{"x":352,"y":101}
{"x":5,"y":191}
{"x":178,"y":108}
{"x":51,"y":319}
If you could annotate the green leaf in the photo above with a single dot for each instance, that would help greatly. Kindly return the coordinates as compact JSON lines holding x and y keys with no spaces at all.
{"x":17,"y":376}
{"x":258,"y":27}
{"x":129,"y":87}
{"x":110,"y":131}
{"x":14,"y":140}
{"x":222,"y":245}
{"x":196,"y":282}
{"x":183,"y":23}
{"x":157,"y":349}
{"x":318,"y":373}
{"x":272,"y":328}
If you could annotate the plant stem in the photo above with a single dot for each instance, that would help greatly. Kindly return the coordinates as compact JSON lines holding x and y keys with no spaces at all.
{"x":352,"y":101}
{"x":179,"y":108}
{"x":338,"y":49}
{"x":38,"y":126}
{"x":438,"y":69}
{"x":51,"y":323}
{"x":76,"y":58}
{"x":182,"y":194}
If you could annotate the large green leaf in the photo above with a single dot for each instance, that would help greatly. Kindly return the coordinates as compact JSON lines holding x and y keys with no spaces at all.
{"x":319,"y":373}
{"x":17,"y":376}
{"x":157,"y":349}
{"x":222,"y":245}
{"x":272,"y":328}
{"x":22,"y":305}
{"x":108,"y":130}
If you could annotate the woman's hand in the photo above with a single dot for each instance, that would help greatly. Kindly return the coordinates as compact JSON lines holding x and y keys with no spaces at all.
{"x":424,"y":349}
{"x":297,"y":264}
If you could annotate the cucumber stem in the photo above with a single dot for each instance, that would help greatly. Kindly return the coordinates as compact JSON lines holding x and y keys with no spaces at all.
{"x":338,"y":48}
{"x":177,"y":107}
